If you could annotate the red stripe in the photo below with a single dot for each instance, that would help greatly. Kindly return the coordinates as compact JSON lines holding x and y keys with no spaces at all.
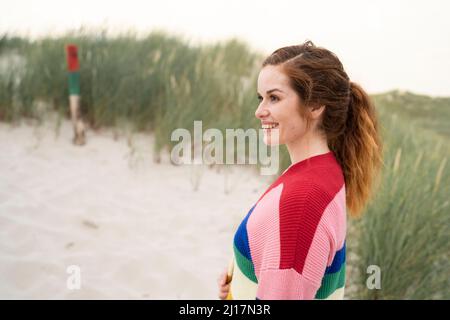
{"x":303,"y":202}
{"x":72,"y":58}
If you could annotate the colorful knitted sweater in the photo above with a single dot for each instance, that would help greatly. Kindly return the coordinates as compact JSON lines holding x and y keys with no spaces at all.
{"x":291,"y":244}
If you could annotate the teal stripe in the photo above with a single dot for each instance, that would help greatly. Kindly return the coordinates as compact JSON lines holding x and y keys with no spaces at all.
{"x":331,"y":282}
{"x":74,"y":83}
{"x":245,"y":265}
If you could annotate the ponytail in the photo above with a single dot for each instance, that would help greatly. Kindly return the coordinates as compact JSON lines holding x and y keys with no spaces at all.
{"x":359,"y":150}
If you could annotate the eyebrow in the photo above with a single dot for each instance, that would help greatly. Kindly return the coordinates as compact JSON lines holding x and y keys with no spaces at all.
{"x":272,"y":90}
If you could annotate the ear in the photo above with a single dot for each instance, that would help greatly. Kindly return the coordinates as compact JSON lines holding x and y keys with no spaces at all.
{"x":317,"y":111}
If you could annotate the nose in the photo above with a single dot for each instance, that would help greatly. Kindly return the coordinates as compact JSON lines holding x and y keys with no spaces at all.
{"x":261,"y":112}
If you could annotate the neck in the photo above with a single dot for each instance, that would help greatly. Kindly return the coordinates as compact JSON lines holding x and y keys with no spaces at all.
{"x":307,"y":147}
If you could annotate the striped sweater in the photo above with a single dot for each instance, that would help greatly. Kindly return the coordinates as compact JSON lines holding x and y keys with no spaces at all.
{"x":291,"y":244}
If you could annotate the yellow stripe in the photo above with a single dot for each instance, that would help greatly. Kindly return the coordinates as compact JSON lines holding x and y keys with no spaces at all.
{"x":337,"y":295}
{"x":242,"y":288}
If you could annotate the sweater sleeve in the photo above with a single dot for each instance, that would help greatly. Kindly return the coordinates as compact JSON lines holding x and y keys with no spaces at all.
{"x":306,"y":248}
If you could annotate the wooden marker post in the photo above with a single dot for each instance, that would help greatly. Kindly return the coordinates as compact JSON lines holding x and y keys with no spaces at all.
{"x":74,"y":94}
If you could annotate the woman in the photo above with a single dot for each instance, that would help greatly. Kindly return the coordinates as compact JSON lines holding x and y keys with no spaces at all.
{"x":291,"y":244}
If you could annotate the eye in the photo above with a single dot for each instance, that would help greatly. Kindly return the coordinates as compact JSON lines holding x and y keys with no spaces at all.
{"x":273,"y":98}
{"x":259,"y":98}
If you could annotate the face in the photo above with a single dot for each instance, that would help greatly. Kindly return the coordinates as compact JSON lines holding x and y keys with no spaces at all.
{"x":279,"y":107}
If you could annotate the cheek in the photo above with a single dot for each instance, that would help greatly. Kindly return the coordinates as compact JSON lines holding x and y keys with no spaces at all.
{"x":293,"y":126}
{"x":290,"y":114}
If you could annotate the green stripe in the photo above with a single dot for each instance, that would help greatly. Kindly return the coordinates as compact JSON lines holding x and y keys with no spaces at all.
{"x":331,"y":282}
{"x":74,"y":83}
{"x":245,"y":265}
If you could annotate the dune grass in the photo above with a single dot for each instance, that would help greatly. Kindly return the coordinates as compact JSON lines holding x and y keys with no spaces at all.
{"x":406,"y":229}
{"x":156,"y":83}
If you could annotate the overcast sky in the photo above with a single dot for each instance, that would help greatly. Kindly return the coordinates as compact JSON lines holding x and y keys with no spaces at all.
{"x":383,"y":44}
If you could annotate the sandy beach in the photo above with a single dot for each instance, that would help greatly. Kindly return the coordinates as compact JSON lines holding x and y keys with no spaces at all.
{"x":137,"y":229}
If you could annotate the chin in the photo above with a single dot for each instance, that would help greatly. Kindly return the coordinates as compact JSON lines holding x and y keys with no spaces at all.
{"x":271,"y":143}
{"x":272,"y":139}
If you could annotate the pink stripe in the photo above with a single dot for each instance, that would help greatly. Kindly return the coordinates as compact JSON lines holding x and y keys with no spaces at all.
{"x":263,"y":228}
{"x":285,"y":284}
{"x":328,"y":239}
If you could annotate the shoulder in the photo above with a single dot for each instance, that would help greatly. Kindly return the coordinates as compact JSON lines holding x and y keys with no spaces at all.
{"x":313,"y":187}
{"x":310,"y":201}
{"x":306,"y":194}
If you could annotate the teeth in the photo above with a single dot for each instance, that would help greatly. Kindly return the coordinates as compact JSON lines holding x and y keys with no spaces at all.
{"x":269,"y":126}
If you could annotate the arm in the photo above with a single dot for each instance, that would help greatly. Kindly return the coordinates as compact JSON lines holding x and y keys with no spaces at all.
{"x":307,"y":247}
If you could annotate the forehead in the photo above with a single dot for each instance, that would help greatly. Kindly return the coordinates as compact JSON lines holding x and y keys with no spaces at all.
{"x":272,"y":77}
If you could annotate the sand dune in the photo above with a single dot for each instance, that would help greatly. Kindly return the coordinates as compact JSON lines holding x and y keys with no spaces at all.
{"x":136,"y":229}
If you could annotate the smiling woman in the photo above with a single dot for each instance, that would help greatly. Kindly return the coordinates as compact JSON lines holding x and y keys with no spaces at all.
{"x":292,"y":242}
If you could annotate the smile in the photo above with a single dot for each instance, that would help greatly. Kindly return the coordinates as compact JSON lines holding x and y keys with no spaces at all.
{"x":270,"y":126}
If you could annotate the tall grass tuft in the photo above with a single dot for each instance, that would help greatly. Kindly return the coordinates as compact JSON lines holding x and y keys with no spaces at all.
{"x":406,"y":230}
{"x":157,"y":82}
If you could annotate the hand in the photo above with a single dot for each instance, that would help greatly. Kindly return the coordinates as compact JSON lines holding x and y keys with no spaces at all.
{"x":224,"y":285}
